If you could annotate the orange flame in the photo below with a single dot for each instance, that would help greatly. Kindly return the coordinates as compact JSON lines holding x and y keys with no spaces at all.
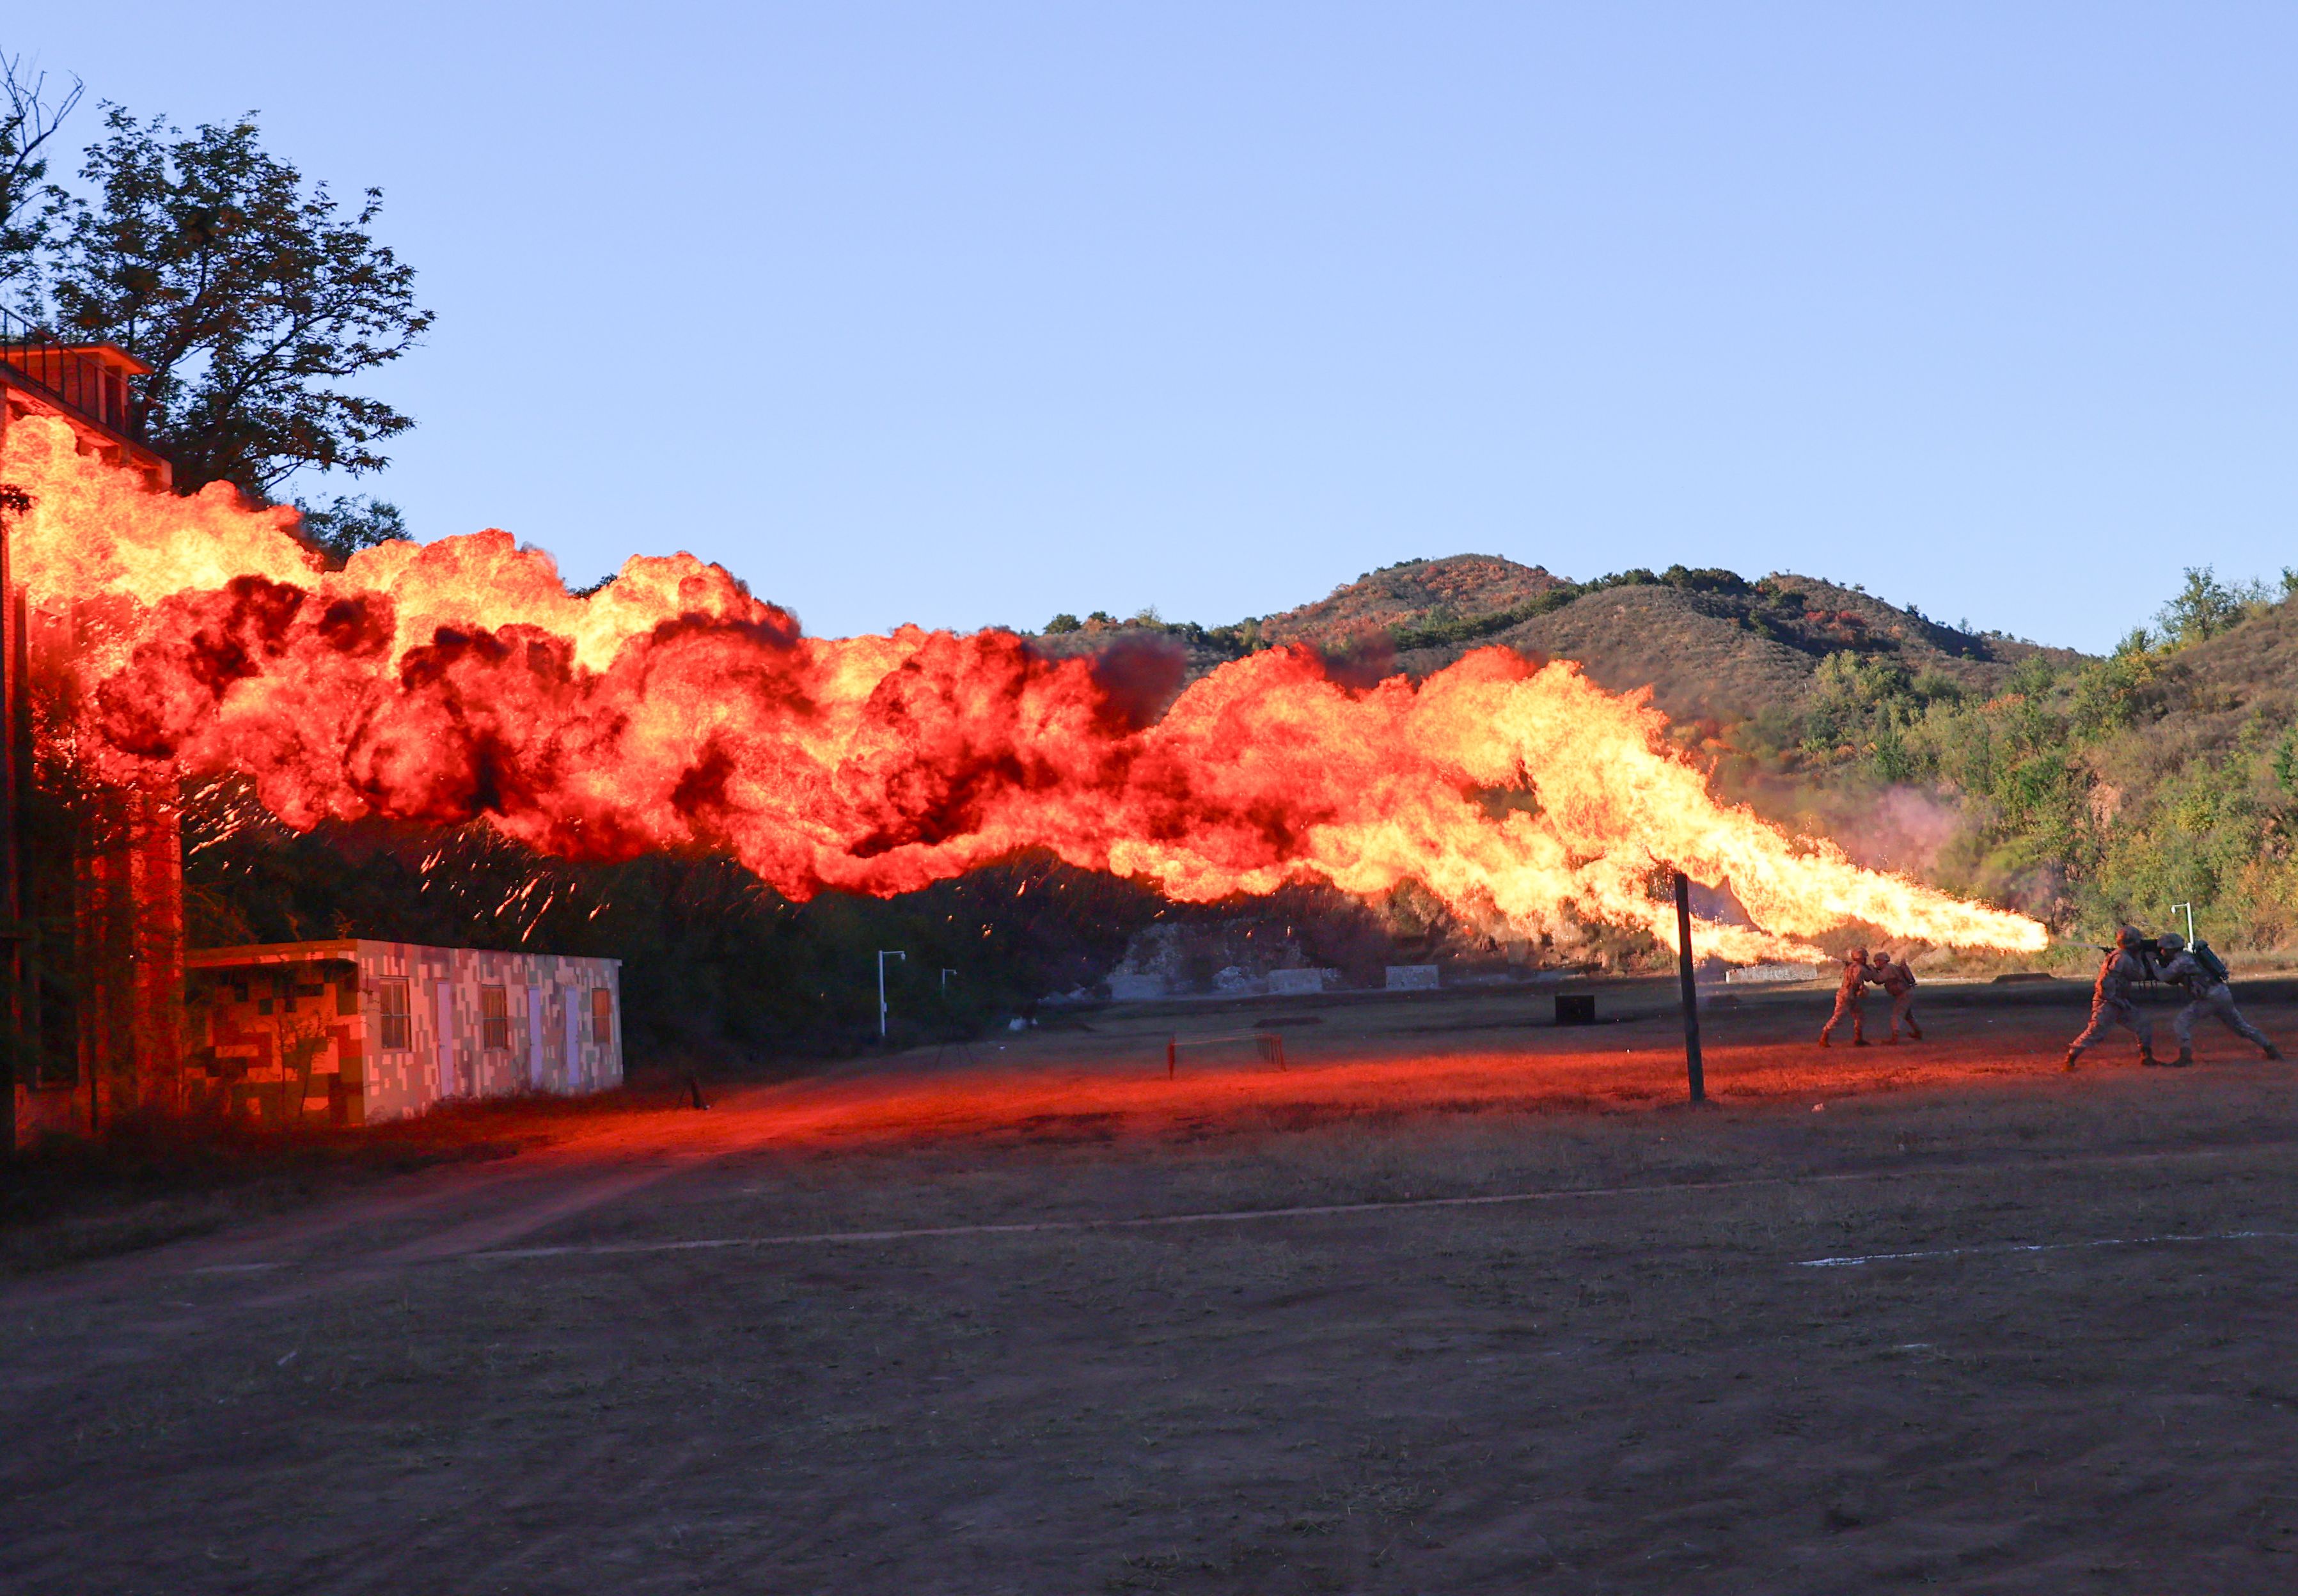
{"x":672,"y":710}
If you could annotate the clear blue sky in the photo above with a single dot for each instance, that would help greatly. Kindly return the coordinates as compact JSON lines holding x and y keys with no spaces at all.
{"x":966,"y":313}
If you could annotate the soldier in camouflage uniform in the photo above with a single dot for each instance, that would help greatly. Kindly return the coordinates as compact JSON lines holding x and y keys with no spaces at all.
{"x":1895,"y":977}
{"x":2207,"y":993}
{"x":1856,"y":974}
{"x":2111,"y":1004}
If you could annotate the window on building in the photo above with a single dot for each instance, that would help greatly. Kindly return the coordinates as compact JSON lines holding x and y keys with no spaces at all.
{"x":602,"y":1016}
{"x":495,"y":1019}
{"x":398,"y":1018}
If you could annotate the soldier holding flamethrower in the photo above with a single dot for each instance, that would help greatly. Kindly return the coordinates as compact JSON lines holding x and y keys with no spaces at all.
{"x":1850,"y":1000}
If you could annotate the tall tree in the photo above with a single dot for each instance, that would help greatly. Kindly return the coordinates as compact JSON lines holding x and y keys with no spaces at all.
{"x":250,"y":294}
{"x":2206,"y":607}
{"x":28,"y":121}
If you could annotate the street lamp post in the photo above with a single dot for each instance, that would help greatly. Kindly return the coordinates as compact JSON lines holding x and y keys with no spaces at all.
{"x":2189,"y":907}
{"x":883,"y":955}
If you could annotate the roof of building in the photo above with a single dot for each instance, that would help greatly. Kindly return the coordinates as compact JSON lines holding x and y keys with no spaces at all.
{"x":208,"y":958}
{"x":346,"y":947}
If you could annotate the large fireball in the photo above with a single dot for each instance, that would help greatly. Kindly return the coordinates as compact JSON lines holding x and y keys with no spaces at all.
{"x":461,"y":681}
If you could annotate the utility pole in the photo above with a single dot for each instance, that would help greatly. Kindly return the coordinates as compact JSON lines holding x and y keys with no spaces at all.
{"x":883,"y":955}
{"x":1693,"y":1069}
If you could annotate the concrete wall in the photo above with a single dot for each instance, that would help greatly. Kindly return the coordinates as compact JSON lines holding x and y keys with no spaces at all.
{"x":1757,"y":974}
{"x":300,"y":1032}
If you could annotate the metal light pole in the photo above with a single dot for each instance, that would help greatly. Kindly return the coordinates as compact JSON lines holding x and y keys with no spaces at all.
{"x":1692,"y":1067}
{"x":883,"y":955}
{"x":946,"y":974}
{"x":2189,"y":907}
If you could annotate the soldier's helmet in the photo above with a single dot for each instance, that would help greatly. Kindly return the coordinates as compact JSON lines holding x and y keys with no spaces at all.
{"x":2171,"y":941}
{"x":2129,"y":939}
{"x":1881,"y":957}
{"x":1858,"y":956}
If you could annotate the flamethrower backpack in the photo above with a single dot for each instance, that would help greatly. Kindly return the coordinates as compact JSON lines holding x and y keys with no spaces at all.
{"x":2212,"y":965}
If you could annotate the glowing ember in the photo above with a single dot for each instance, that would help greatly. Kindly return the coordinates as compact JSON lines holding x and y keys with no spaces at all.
{"x":672,"y":710}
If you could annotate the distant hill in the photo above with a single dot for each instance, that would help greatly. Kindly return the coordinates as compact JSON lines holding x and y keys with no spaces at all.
{"x":2084,"y":790}
{"x":1415,"y":595}
{"x":1710,"y":643}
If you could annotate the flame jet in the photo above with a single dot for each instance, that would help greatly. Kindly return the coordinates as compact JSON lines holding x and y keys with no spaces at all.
{"x":672,"y":710}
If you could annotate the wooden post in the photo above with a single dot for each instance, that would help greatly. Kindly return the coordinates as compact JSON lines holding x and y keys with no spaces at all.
{"x":1173,"y":1047}
{"x":1692,"y":1067}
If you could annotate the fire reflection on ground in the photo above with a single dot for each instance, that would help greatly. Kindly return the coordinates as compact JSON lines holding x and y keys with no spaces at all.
{"x":1070,"y":1086}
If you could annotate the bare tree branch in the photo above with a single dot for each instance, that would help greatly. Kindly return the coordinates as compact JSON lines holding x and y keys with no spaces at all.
{"x":28,"y":121}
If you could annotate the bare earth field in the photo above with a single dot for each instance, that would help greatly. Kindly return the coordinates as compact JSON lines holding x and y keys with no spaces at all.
{"x":1458,"y":1300}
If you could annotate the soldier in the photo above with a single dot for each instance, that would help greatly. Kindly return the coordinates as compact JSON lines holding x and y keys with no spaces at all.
{"x":2199,"y":973}
{"x":2110,"y":1000}
{"x":1856,"y":974}
{"x":1895,"y":977}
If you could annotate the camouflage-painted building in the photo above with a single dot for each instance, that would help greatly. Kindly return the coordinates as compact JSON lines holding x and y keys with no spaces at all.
{"x":355,"y":1032}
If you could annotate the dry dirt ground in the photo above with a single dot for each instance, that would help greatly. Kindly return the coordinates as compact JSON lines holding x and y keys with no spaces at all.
{"x":1453,"y":1303}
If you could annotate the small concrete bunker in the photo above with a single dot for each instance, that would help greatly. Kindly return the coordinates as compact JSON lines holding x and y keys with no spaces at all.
{"x":355,"y":1031}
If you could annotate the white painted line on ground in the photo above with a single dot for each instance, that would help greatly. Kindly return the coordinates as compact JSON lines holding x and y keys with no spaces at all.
{"x":1305,"y":1211}
{"x":2043,"y":1246}
{"x":1139,"y":1221}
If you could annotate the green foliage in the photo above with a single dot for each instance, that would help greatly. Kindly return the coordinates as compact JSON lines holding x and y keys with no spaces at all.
{"x":348,"y":524}
{"x":1230,"y":642}
{"x":2205,"y":607}
{"x":1705,"y":580}
{"x":2083,"y":796}
{"x":1866,"y":705}
{"x":250,"y":294}
{"x":1234,"y":641}
{"x":2115,"y":694}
